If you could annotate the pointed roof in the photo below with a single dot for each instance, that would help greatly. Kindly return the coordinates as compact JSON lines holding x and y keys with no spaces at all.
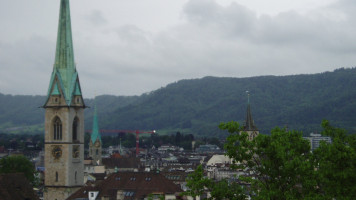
{"x":64,"y":73}
{"x":249,"y":123}
{"x":95,"y":134}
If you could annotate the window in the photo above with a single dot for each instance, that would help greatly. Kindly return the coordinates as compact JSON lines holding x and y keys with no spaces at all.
{"x":75,"y":177}
{"x":57,"y":129}
{"x":75,"y":129}
{"x":56,"y":176}
{"x":97,"y":152}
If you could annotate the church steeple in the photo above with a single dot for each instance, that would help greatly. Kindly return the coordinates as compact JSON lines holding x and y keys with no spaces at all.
{"x":64,"y":118}
{"x":95,"y":134}
{"x":64,"y":80}
{"x":95,"y":144}
{"x":249,"y":123}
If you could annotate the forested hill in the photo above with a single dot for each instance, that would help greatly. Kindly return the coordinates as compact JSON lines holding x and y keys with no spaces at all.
{"x":197,"y":106}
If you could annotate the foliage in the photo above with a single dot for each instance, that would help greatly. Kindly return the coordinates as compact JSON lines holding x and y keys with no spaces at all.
{"x":281,"y":166}
{"x":155,"y":197}
{"x":280,"y":162}
{"x":336,"y":164}
{"x":198,"y":184}
{"x":13,"y":164}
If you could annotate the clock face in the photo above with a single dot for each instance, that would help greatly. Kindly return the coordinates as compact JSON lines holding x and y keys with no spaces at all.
{"x":75,"y":153}
{"x":56,"y":152}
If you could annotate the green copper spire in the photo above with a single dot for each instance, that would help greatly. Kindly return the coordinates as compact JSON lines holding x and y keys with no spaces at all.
{"x":64,"y":73}
{"x":95,"y":134}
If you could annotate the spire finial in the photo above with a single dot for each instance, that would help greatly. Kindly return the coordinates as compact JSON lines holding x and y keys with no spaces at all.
{"x":248,"y":97}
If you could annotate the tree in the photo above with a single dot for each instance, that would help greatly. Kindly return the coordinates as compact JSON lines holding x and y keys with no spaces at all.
{"x":336,"y":163}
{"x":198,"y":184}
{"x":282,"y":166}
{"x":178,"y":138}
{"x":280,"y":162}
{"x":14,"y":164}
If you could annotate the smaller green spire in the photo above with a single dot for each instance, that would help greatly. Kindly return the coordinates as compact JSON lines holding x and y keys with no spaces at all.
{"x":95,"y":134}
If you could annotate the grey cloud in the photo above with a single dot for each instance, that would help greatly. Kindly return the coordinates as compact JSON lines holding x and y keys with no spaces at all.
{"x":214,"y":40}
{"x":288,"y":28}
{"x":24,"y":65}
{"x":234,"y":19}
{"x":96,"y":17}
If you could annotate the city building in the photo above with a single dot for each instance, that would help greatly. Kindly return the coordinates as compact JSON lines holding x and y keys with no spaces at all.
{"x":315,"y":140}
{"x":208,"y":148}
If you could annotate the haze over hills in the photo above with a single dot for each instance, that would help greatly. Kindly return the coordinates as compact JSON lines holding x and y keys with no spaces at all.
{"x":197,"y":106}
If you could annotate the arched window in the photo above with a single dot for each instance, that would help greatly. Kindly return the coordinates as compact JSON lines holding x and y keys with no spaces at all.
{"x":75,"y":129}
{"x":97,"y":152}
{"x":57,"y":129}
{"x":56,"y":176}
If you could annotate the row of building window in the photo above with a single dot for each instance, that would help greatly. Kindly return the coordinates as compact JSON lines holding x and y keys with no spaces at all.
{"x":57,"y":129}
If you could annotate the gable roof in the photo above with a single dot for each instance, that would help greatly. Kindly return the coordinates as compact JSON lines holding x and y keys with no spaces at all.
{"x":141,"y":184}
{"x":131,"y":162}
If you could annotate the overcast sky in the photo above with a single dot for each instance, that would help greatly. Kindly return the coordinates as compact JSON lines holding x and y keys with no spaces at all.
{"x":129,"y":47}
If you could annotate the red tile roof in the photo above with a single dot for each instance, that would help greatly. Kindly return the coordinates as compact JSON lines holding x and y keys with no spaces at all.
{"x":141,"y":184}
{"x":131,"y":162}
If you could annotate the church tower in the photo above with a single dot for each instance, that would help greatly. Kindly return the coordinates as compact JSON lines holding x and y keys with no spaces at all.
{"x":249,"y":126}
{"x":95,"y":140}
{"x":64,"y":118}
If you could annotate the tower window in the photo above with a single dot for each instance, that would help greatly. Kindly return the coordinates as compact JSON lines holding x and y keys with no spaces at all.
{"x":56,"y":176}
{"x":75,"y":177}
{"x":75,"y":129}
{"x":97,"y":152}
{"x":57,"y":129}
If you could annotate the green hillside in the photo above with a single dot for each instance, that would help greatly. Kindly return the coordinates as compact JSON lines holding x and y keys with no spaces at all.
{"x":197,"y":106}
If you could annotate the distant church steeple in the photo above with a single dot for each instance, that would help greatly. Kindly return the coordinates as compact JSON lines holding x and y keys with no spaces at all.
{"x":95,"y":144}
{"x":249,"y":126}
{"x":64,"y":118}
